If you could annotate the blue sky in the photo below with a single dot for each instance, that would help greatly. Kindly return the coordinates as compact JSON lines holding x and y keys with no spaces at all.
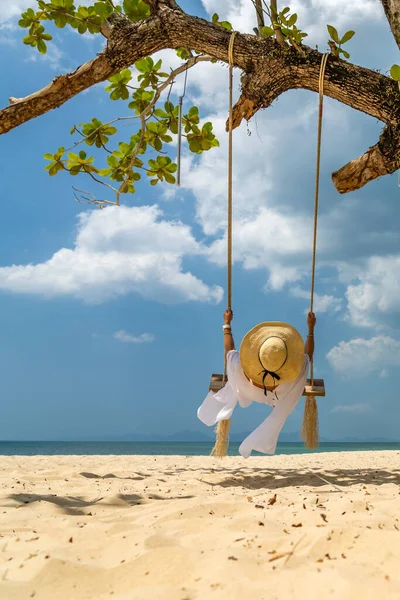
{"x":111,"y":320}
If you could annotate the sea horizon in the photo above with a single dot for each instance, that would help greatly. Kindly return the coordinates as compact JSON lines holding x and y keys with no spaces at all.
{"x":168,"y":448}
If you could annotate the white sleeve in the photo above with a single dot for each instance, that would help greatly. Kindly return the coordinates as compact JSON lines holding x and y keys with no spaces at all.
{"x":219,"y":406}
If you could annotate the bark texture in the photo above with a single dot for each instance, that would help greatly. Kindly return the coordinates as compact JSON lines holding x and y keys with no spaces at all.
{"x":269,"y":69}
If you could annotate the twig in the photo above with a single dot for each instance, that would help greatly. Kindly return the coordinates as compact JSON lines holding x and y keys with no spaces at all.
{"x":329,"y":483}
{"x":294,"y":548}
{"x":274,"y":20}
{"x":94,"y":200}
{"x":281,"y":555}
{"x":125,"y":183}
{"x":102,"y":182}
{"x":260,"y":14}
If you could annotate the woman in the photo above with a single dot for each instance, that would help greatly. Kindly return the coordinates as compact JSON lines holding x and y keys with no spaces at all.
{"x":271,"y":367}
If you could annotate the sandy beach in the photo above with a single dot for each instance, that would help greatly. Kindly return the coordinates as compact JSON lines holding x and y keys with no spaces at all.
{"x":186,"y":528}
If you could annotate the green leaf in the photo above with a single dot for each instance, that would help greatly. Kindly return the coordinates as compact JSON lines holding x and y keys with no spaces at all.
{"x":28,"y":40}
{"x":60,"y":21}
{"x":153,"y":127}
{"x":82,"y":154}
{"x":205,"y":144}
{"x":160,"y":113}
{"x":41,"y":45}
{"x":207,"y":128}
{"x":285,"y":10}
{"x":136,"y":10}
{"x":333,"y":33}
{"x":215,"y":18}
{"x":292,"y":20}
{"x":395,"y":72}
{"x":153,"y":181}
{"x":124,"y":92}
{"x":283,"y":19}
{"x":267,"y":31}
{"x":115,"y":94}
{"x":193,"y":111}
{"x":169,"y":178}
{"x":103,"y":9}
{"x":194,"y":145}
{"x":345,"y":54}
{"x":347,"y":36}
{"x":74,"y":170}
{"x":183,"y":53}
{"x":226,"y":25}
{"x":53,"y":171}
{"x":142,"y":65}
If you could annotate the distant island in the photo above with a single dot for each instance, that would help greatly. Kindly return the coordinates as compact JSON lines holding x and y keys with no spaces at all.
{"x":196,"y":436}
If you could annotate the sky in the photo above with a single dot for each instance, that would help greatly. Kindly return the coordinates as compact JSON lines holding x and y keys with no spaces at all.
{"x":111,"y":320}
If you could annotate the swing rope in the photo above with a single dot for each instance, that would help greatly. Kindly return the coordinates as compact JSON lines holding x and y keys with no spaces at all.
{"x":309,"y":430}
{"x":222,"y":433}
{"x":230,"y":161}
{"x":317,"y":173}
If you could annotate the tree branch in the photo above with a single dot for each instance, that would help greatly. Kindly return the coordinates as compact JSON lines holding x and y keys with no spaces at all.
{"x":360,"y":88}
{"x":269,"y":70}
{"x":381,"y":159}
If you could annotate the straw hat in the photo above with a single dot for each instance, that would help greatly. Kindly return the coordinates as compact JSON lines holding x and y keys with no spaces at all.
{"x":272,"y":349}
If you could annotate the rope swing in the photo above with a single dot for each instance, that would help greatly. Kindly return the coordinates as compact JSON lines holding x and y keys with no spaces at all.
{"x":309,"y":430}
{"x":314,"y":387}
{"x":222,"y":432}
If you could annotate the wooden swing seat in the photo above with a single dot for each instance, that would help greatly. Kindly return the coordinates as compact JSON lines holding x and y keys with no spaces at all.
{"x":318,"y":389}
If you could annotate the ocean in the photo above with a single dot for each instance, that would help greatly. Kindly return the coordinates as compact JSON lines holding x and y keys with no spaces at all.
{"x":170,"y":448}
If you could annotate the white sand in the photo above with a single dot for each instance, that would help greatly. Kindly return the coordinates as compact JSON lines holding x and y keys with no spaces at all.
{"x":182,"y":528}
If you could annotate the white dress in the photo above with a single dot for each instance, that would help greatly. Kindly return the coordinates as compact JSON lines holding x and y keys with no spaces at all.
{"x":220,"y":406}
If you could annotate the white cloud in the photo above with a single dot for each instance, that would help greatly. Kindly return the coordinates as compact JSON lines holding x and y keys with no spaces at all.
{"x":118,"y":251}
{"x":376,"y":294}
{"x":322,"y":303}
{"x":123,"y":336}
{"x":13,"y":9}
{"x":258,"y":176}
{"x":6,"y":34}
{"x":352,"y":409}
{"x":266,"y":240}
{"x":359,"y":357}
{"x":313,"y":15}
{"x":53,"y":57}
